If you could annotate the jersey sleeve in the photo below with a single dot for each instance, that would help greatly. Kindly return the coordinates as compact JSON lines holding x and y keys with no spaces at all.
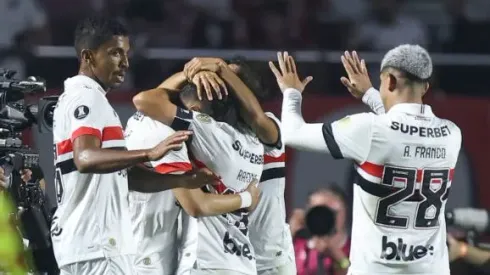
{"x":144,"y":133}
{"x":87,"y":112}
{"x":279,"y":146}
{"x":350,"y":137}
{"x":206,"y":131}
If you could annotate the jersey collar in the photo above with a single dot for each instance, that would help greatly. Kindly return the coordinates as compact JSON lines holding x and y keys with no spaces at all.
{"x":412,"y":108}
{"x":85,"y":80}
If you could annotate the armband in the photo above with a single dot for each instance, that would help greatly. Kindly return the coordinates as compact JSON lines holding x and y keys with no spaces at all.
{"x":246,"y":199}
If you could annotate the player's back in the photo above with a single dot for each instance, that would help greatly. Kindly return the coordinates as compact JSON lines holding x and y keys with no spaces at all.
{"x":401,"y":192}
{"x":236,"y":157}
{"x":154,"y":215}
{"x":269,"y":233}
{"x":91,"y":219}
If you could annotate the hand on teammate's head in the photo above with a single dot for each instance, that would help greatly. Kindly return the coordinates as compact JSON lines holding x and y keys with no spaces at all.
{"x":255,"y":192}
{"x":357,"y":81}
{"x":287,"y":76}
{"x":211,"y":83}
{"x":173,"y":142}
{"x":198,"y":64}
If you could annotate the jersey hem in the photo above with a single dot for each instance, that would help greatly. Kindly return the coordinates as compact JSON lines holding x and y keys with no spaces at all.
{"x":273,"y":264}
{"x":357,"y":272}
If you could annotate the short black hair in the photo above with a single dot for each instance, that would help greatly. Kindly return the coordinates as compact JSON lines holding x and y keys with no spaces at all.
{"x":94,"y":31}
{"x":224,"y":110}
{"x":250,"y":77}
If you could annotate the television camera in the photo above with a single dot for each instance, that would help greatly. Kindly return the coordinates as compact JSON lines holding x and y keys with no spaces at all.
{"x":15,"y":117}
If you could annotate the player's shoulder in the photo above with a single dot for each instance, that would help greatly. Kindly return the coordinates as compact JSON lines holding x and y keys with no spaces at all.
{"x":138,"y":121}
{"x":361,"y":119}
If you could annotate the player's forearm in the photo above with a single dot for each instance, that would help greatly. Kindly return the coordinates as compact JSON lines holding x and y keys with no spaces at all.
{"x":174,"y":82}
{"x":251,"y":110}
{"x":146,"y":181}
{"x":102,"y":161}
{"x":156,"y":104}
{"x":372,"y":99}
{"x":295,"y":131}
{"x":196,"y":203}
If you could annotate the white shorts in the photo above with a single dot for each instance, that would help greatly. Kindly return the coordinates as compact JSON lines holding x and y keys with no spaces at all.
{"x":288,"y":268}
{"x":215,"y":272}
{"x":122,"y":265}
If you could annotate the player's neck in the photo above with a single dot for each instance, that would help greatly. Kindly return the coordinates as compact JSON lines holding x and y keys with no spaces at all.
{"x":89,"y":73}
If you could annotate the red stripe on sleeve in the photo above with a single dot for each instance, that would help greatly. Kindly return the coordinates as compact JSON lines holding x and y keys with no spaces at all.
{"x":86,"y":131}
{"x":112,"y":133}
{"x":64,"y":147}
{"x":271,"y":159}
{"x":172,"y":167}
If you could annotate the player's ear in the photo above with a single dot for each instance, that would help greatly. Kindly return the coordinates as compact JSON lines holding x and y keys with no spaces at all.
{"x":427,"y":86}
{"x":87,"y":56}
{"x":392,"y":81}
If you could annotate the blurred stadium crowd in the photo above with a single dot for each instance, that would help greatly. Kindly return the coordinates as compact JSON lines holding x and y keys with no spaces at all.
{"x":451,"y":26}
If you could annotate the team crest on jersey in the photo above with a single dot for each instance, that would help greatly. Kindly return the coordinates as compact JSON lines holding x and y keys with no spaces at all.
{"x":344,"y":121}
{"x":81,"y":112}
{"x":203,"y":118}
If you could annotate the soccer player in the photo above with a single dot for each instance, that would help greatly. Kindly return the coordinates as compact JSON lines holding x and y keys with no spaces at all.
{"x":269,"y":232}
{"x":90,"y":229}
{"x":154,"y":216}
{"x":405,"y":160}
{"x":225,"y":145}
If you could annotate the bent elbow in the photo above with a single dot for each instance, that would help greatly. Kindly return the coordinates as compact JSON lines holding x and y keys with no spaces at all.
{"x":81,"y":164}
{"x":194,"y":211}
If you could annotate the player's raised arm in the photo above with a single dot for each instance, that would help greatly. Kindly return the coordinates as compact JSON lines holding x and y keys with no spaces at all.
{"x":265,"y":127}
{"x":349,"y":137}
{"x":358,"y":83}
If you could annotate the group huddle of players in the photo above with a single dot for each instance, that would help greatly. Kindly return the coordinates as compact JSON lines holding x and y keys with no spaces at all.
{"x":202,"y":158}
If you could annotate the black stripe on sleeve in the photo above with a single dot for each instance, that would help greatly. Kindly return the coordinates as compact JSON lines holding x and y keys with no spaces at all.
{"x":181,"y":120}
{"x":273,"y":173}
{"x":278,"y":143}
{"x":66,"y":166}
{"x":332,"y":145}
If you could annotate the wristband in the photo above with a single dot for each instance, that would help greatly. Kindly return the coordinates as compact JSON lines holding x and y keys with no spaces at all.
{"x":246,"y":199}
{"x":463,"y":250}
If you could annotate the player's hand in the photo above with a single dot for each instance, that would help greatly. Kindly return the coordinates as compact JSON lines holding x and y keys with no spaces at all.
{"x":173,"y":142}
{"x":297,"y":221}
{"x":288,"y":77}
{"x":255,"y":192}
{"x":358,"y":81}
{"x":3,"y":180}
{"x":200,"y":178}
{"x":211,"y":82}
{"x":198,"y":64}
{"x":26,"y":175}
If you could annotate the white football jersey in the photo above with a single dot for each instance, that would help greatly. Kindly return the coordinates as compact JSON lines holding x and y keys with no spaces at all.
{"x":92,"y":215}
{"x":406,"y":160}
{"x":237,"y":159}
{"x":154,"y":215}
{"x":269,"y":232}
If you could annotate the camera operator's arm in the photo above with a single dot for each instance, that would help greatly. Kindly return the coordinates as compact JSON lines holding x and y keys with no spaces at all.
{"x":470,"y":254}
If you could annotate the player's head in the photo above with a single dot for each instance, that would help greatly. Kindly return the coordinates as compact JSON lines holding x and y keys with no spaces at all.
{"x":333,"y":197}
{"x":102,"y":46}
{"x":251,"y":78}
{"x":224,"y":110}
{"x":405,"y":75}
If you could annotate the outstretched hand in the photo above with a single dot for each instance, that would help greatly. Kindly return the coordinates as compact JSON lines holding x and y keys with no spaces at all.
{"x":288,"y":77}
{"x":357,"y":81}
